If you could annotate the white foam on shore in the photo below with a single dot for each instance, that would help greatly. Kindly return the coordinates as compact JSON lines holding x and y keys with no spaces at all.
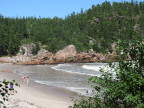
{"x":79,"y":90}
{"x":47,"y":82}
{"x":85,"y":91}
{"x":106,"y":68}
{"x":95,"y":68}
{"x":74,"y":72}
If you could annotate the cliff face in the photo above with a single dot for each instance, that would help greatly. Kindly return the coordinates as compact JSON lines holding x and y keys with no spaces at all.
{"x":27,"y":49}
{"x":68,"y":54}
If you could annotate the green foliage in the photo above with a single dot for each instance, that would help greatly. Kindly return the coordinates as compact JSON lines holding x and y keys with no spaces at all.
{"x":26,"y":41}
{"x":36,"y":49}
{"x":5,"y":90}
{"x":105,"y":23}
{"x":125,"y":88}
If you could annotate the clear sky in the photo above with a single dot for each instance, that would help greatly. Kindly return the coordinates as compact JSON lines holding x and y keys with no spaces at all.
{"x":46,"y":8}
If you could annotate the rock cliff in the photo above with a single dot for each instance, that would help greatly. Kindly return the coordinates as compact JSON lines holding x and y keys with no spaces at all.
{"x":68,"y":54}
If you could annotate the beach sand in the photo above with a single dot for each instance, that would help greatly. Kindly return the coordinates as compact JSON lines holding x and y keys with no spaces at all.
{"x":35,"y":95}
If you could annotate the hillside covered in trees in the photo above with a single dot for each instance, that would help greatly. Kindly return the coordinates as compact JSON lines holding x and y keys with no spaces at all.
{"x":96,"y":28}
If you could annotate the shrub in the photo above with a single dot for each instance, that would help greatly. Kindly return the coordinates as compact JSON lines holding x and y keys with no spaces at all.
{"x":123,"y":90}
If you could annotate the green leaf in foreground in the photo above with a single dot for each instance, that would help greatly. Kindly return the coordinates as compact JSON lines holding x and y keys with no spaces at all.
{"x":125,"y":89}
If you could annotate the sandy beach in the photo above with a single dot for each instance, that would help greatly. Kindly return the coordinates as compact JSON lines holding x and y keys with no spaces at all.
{"x":35,"y":95}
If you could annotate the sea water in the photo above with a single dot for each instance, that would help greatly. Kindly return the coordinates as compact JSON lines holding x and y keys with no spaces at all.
{"x":71,"y":76}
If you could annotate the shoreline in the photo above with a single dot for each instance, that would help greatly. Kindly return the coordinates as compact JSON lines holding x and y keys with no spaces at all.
{"x":38,"y":94}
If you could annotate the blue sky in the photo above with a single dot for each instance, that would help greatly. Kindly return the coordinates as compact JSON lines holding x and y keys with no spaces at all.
{"x":46,"y":8}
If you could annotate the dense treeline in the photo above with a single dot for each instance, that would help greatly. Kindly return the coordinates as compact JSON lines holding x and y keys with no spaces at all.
{"x":95,"y":28}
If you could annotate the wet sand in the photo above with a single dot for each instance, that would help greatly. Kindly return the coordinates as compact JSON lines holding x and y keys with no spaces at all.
{"x":37,"y":94}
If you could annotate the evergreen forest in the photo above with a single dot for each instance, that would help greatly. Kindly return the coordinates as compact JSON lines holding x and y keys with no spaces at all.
{"x":96,"y":28}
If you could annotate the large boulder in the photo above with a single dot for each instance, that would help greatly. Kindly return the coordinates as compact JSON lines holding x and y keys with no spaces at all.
{"x":42,"y":53}
{"x":67,"y":54}
{"x":27,"y":49}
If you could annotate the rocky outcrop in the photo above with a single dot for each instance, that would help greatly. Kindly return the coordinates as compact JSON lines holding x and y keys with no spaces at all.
{"x":95,"y":20}
{"x":27,"y":49}
{"x":42,"y":53}
{"x":89,"y":57}
{"x":68,"y":54}
{"x":6,"y":60}
{"x":20,"y":59}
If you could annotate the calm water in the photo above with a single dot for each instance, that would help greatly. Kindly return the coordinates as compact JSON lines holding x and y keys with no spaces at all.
{"x":73,"y":77}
